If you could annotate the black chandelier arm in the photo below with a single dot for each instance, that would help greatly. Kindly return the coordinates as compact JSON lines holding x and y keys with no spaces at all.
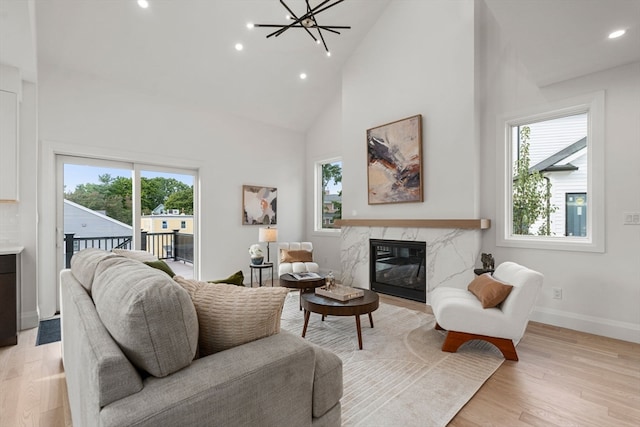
{"x":324,"y":43}
{"x":322,"y":27}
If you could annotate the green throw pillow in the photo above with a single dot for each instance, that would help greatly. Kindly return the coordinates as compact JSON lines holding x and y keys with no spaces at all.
{"x":236,"y":278}
{"x":161,"y":265}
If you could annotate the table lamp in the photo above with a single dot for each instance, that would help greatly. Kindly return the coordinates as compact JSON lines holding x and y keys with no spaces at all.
{"x":268,"y":234}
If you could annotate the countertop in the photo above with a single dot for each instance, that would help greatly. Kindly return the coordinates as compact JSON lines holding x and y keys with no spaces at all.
{"x":11,"y":249}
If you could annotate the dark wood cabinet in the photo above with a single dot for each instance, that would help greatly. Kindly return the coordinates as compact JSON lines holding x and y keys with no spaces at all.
{"x":8,"y":313}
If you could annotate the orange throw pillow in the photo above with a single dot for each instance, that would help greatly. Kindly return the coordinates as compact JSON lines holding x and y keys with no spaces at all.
{"x":489,"y":291}
{"x":295,"y":256}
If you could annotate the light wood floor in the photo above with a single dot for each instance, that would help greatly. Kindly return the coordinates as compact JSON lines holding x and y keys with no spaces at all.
{"x":563,"y":378}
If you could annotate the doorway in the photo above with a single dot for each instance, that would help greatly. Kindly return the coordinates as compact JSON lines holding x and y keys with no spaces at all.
{"x":109,"y":204}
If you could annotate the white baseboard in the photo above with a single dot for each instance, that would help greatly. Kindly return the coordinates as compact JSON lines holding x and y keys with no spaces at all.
{"x":593,"y":325}
{"x":29,"y":320}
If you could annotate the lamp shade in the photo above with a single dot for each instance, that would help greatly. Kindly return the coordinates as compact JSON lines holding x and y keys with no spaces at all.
{"x":268,"y":234}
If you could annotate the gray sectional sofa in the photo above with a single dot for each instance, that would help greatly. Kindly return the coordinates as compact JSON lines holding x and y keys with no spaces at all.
{"x":128,"y":342}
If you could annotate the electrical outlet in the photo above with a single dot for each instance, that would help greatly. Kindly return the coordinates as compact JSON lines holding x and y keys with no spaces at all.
{"x":631,"y":218}
{"x":557,"y":293}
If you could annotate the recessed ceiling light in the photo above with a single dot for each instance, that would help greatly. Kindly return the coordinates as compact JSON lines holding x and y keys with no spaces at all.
{"x":239,"y":46}
{"x":303,"y":76}
{"x":250,"y":25}
{"x":616,"y":34}
{"x":143,"y":4}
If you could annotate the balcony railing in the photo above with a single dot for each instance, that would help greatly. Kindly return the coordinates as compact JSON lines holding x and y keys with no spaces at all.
{"x":173,"y":245}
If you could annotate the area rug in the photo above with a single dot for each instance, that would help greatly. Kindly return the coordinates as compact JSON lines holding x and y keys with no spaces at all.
{"x":401,"y":377}
{"x":48,"y":331}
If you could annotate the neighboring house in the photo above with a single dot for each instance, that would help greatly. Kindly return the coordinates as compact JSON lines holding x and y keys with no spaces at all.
{"x":329,"y":209}
{"x":558,"y":149}
{"x":166,"y":223}
{"x":83,"y":222}
{"x":567,"y":173}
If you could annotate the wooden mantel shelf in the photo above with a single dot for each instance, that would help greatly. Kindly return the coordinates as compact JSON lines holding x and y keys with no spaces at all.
{"x":481,"y":224}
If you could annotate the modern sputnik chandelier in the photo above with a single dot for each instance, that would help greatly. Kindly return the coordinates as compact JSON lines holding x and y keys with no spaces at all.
{"x":308,"y":22}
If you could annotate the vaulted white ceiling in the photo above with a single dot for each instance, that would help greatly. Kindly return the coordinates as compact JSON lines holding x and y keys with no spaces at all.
{"x":185,"y":49}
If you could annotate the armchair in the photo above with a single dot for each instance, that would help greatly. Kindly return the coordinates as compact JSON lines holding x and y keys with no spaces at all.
{"x":460,"y":312}
{"x":296,"y":257}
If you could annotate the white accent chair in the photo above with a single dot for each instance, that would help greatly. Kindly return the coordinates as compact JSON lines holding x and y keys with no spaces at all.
{"x":460,"y":313}
{"x":296,"y":267}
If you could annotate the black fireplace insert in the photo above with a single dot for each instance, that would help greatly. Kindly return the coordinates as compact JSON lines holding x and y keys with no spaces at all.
{"x":397,"y":267}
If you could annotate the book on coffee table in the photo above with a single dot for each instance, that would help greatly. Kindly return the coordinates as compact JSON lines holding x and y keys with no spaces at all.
{"x":306,"y":276}
{"x":339,"y":292}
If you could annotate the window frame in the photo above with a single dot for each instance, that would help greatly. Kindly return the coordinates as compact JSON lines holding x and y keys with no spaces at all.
{"x":593,"y":105}
{"x":318,"y":199}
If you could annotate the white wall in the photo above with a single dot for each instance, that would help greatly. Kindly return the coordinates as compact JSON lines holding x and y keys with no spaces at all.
{"x":323,"y":142}
{"x":601,"y":291}
{"x":418,"y":59}
{"x":84,"y":116}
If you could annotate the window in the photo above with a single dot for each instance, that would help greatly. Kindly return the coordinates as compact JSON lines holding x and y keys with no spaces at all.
{"x":329,"y":194}
{"x":164,"y":224}
{"x":553,"y":164}
{"x":183,"y":224}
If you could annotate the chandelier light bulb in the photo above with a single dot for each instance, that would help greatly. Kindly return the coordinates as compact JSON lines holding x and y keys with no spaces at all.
{"x":239,"y":47}
{"x":143,"y":4}
{"x":250,"y":25}
{"x":328,"y":53}
{"x":303,"y":76}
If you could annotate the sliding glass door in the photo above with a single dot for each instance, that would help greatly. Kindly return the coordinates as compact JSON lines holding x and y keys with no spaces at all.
{"x":106,"y":204}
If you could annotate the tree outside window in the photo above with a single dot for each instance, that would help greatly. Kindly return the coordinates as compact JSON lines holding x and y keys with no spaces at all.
{"x":330,"y":193}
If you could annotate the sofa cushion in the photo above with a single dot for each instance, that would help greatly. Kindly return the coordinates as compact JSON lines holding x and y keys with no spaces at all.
{"x":295,"y":256}
{"x":489,"y":291}
{"x":85,"y":263}
{"x":161,"y":265}
{"x":229,"y":315}
{"x":141,"y":256}
{"x":149,"y":315}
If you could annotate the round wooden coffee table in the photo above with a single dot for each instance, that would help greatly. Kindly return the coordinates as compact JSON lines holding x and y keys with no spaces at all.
{"x":366,"y":304}
{"x":288,"y":281}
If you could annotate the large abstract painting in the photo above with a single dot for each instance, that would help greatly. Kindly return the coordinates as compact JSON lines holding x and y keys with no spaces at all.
{"x":394,"y":162}
{"x":259,"y":205}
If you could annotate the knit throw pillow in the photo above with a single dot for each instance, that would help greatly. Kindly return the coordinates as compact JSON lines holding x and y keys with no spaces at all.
{"x":229,"y":315}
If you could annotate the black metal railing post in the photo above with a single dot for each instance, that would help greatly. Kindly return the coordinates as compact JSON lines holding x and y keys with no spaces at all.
{"x":175,"y":244}
{"x":143,"y":240}
{"x":68,"y":249}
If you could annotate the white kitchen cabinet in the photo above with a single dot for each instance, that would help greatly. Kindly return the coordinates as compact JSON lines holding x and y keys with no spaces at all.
{"x":8,"y":146}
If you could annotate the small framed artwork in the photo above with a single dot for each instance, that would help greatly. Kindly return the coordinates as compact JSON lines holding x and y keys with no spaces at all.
{"x":259,"y":205}
{"x":394,"y":162}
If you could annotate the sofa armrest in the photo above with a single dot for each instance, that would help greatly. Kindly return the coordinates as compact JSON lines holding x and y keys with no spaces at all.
{"x":265,"y":382}
{"x":327,"y":381}
{"x":97,"y":372}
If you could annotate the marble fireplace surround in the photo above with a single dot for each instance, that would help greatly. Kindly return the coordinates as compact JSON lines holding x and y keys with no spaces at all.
{"x":453,"y":247}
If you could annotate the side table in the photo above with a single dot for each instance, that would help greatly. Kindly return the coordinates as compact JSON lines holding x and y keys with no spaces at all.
{"x":288,"y":281}
{"x":257,"y":270}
